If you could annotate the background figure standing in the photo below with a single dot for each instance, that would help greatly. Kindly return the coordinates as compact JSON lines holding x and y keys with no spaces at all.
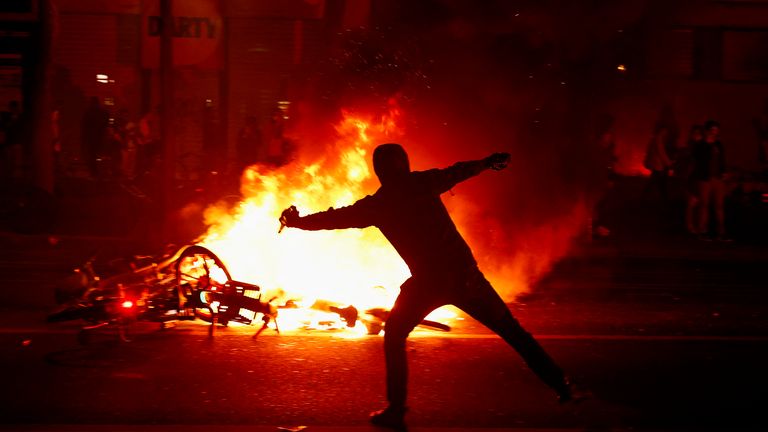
{"x":213,"y":151}
{"x":682,"y":169}
{"x":93,"y":130}
{"x":113,"y":147}
{"x":56,"y":142}
{"x":274,"y":140}
{"x":409,"y":212}
{"x":129,"y":150}
{"x":659,"y":163}
{"x":708,"y":173}
{"x":149,"y":131}
{"x":605,"y":147}
{"x":249,"y":145}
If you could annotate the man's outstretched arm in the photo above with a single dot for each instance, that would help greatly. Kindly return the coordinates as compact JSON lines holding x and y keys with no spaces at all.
{"x":357,"y":215}
{"x":442,"y":180}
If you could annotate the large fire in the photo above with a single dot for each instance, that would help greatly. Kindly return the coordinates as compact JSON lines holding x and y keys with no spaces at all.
{"x":345,"y":267}
{"x":341,"y":267}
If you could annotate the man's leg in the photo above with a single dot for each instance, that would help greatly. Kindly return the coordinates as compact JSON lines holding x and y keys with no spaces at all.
{"x":409,"y":310}
{"x":482,"y":303}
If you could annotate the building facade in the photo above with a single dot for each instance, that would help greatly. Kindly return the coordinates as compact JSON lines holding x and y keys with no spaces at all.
{"x":231,"y":60}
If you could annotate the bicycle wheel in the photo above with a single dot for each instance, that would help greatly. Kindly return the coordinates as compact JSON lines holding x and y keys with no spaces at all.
{"x":201,"y":277}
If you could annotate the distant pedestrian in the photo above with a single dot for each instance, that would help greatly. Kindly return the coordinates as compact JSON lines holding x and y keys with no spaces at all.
{"x":709,"y":174}
{"x":129,"y":150}
{"x":657,"y":161}
{"x":605,"y":154}
{"x":113,"y":148}
{"x":682,"y":168}
{"x":149,"y":148}
{"x":213,"y":148}
{"x":55,"y":125}
{"x":249,"y":143}
{"x":274,"y":141}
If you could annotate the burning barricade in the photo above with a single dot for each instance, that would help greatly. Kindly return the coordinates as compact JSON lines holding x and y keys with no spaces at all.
{"x":337,"y":280}
{"x":193,"y":283}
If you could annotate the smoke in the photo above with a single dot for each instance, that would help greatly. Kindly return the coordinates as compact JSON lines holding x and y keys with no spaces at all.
{"x":519,"y":221}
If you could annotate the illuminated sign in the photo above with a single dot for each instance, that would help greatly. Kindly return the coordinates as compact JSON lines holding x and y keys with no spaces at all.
{"x":196,"y":30}
{"x":184,"y":27}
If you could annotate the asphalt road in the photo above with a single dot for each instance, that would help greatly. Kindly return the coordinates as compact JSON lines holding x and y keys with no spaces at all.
{"x":181,"y":376}
{"x":668,"y":340}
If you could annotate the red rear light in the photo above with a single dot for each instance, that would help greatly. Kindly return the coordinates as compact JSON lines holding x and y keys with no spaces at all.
{"x":127,"y":304}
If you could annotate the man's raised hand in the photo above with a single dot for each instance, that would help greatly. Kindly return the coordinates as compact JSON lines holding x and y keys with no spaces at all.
{"x":497,"y":161}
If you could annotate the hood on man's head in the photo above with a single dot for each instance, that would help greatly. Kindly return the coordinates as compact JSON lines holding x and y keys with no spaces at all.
{"x":390,"y":161}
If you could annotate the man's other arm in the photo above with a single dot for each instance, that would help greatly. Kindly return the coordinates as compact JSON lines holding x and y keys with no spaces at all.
{"x":442,"y":180}
{"x":357,"y":215}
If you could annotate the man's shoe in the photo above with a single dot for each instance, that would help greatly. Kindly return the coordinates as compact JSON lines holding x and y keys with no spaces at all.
{"x":393,"y":418}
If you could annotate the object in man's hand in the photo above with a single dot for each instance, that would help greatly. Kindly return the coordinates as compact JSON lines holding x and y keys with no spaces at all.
{"x":498,"y":161}
{"x":287,"y":217}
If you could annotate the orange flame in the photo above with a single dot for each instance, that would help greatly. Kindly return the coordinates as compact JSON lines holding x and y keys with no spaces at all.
{"x":356,"y":267}
{"x":347,"y":267}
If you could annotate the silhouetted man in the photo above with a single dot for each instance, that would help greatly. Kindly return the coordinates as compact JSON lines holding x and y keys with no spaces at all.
{"x":409,"y":212}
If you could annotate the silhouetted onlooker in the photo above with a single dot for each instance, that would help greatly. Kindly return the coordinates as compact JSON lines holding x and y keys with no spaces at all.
{"x":659,"y":163}
{"x":606,"y":161}
{"x":129,"y":150}
{"x":249,"y":143}
{"x":149,"y":130}
{"x":408,"y":211}
{"x":113,"y":147}
{"x":213,"y":149}
{"x":709,"y":172}
{"x":682,"y":167}
{"x":93,"y":130}
{"x":274,"y":141}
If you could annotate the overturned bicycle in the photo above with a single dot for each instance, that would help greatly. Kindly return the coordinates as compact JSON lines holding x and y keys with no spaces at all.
{"x":190,"y":283}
